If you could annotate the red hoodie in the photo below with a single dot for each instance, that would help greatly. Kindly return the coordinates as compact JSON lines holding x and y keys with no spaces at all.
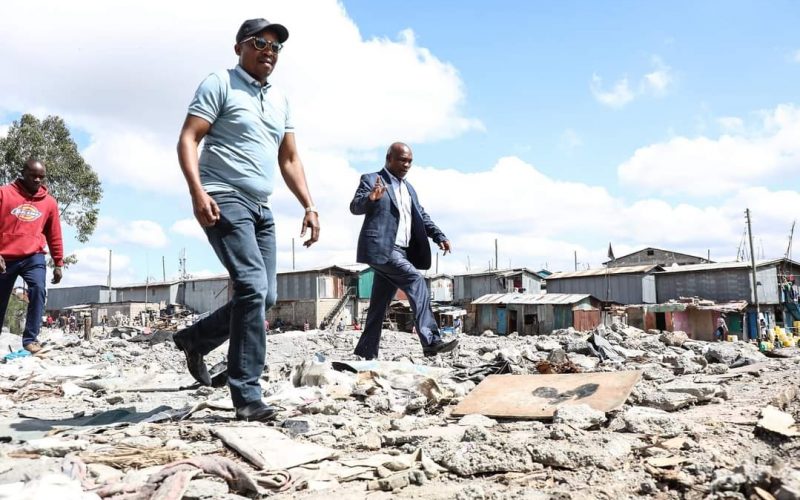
{"x":28,"y":222}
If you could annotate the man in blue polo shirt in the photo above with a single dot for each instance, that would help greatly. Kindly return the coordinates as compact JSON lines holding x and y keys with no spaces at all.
{"x":247,"y":126}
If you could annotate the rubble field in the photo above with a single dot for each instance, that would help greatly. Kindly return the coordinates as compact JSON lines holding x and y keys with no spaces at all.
{"x":119,"y":417}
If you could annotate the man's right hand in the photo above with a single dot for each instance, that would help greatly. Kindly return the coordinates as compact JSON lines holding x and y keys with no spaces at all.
{"x":2,"y":265}
{"x":377,"y":190}
{"x":206,"y":210}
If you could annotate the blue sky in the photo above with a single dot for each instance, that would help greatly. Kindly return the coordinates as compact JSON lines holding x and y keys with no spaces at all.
{"x":552,"y":126}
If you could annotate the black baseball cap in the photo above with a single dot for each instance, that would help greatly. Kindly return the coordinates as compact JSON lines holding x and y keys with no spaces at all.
{"x":254,"y":26}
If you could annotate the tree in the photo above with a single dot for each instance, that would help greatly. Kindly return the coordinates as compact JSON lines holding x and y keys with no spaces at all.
{"x":70,"y":180}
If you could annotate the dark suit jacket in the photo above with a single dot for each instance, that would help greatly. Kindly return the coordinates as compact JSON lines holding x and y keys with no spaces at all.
{"x":379,"y":230}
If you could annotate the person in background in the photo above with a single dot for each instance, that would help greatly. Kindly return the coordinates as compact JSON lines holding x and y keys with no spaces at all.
{"x":29,"y":223}
{"x":721,"y":333}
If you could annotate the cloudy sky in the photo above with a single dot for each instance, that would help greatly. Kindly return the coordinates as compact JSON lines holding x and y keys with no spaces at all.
{"x":553,"y":127}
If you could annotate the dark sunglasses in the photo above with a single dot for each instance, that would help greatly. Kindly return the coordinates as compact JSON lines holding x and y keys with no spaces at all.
{"x":261,"y":44}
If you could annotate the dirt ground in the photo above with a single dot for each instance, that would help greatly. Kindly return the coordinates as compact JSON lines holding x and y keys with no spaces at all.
{"x":109,"y":418}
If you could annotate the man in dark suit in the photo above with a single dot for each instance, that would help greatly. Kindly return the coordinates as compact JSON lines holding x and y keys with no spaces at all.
{"x":394,"y":242}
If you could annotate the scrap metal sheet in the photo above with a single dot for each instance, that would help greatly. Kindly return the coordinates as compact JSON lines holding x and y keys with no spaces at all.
{"x":538,"y":396}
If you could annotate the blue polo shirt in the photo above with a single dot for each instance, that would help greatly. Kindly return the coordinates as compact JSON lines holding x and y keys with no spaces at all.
{"x":248,"y":122}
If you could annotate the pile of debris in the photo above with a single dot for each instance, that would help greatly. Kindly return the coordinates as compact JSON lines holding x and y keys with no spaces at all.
{"x":616,"y":412}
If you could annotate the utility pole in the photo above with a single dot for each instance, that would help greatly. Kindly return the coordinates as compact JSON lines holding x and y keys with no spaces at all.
{"x":496,"y":262}
{"x":437,"y":262}
{"x":163,"y":269}
{"x":576,"y":260}
{"x":292,"y":254}
{"x":109,"y":276}
{"x":753,"y":265}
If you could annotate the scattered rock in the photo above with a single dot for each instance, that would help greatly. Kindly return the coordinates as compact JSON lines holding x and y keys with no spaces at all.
{"x":580,"y":416}
{"x":477,"y":421}
{"x":676,"y":338}
{"x":651,"y":421}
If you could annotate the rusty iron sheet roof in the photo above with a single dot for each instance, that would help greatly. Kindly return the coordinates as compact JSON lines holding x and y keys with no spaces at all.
{"x":602,"y":271}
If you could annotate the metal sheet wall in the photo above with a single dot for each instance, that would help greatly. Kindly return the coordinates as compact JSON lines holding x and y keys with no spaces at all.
{"x":722,"y":285}
{"x":624,"y":288}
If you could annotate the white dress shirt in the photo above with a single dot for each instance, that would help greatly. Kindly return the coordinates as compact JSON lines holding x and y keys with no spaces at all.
{"x":403,"y":198}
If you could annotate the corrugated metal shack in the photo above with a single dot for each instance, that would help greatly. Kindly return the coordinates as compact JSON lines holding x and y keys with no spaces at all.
{"x":732,"y":281}
{"x":315,"y":294}
{"x":623,"y":285}
{"x":440,"y":286}
{"x":62,"y":297}
{"x":159,"y":292}
{"x":696,"y":317}
{"x":534,"y":314}
{"x":206,"y":294}
{"x":470,"y":286}
{"x":655,"y":256}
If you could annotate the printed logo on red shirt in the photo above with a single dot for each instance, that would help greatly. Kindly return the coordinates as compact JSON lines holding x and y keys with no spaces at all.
{"x":26,"y":212}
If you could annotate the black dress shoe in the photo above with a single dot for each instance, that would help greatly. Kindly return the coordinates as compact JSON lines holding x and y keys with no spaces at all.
{"x":439,"y":346}
{"x":257,"y":411}
{"x":194,"y":362}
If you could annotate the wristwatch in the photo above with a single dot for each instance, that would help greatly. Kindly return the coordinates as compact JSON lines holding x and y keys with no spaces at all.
{"x":312,"y":208}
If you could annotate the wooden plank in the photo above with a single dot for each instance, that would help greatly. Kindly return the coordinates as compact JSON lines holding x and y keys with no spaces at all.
{"x":538,"y":396}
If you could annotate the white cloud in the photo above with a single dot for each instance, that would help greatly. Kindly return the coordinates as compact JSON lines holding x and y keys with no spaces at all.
{"x":796,"y":56}
{"x":619,"y":95}
{"x":4,"y":130}
{"x":655,"y":83}
{"x":570,"y":140}
{"x":705,"y":167}
{"x":92,"y":268}
{"x":144,"y":233}
{"x":189,"y":227}
{"x":129,"y":90}
{"x":659,"y":79}
{"x":730,"y":123}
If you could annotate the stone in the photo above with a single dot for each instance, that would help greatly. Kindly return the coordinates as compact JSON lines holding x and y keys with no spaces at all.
{"x":579,"y":346}
{"x":481,"y":454}
{"x":657,"y":372}
{"x":703,"y":392}
{"x":370,"y":441}
{"x":176,"y":444}
{"x":651,"y":421}
{"x":488,"y":333}
{"x":509,"y":354}
{"x":579,"y":416}
{"x":717,"y":369}
{"x":668,"y":401}
{"x":404,"y":424}
{"x":676,"y":338}
{"x":102,"y":473}
{"x":684,"y":363}
{"x":114,"y":399}
{"x":298,"y":426}
{"x":200,"y":489}
{"x":142,"y":442}
{"x":546,"y":345}
{"x":585,"y":363}
{"x":477,"y":421}
{"x":54,"y":447}
{"x":605,"y":451}
{"x":557,"y":357}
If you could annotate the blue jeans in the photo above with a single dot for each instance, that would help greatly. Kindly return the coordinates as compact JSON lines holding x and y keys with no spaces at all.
{"x":33,"y":271}
{"x":244,"y":241}
{"x":398,"y":272}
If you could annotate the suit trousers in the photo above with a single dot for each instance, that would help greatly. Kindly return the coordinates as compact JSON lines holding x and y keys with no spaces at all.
{"x":398,"y":272}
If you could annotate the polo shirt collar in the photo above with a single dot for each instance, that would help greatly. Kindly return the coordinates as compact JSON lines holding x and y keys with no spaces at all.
{"x":244,"y":75}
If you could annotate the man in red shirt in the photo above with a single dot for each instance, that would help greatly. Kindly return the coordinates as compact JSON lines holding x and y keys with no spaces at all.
{"x":28,"y":220}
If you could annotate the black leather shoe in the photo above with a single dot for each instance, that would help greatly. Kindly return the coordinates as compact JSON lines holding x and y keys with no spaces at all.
{"x":257,"y":411}
{"x":438,"y":347}
{"x":194,"y":362}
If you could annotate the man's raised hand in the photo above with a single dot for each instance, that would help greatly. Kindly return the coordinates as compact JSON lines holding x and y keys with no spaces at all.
{"x":377,"y":190}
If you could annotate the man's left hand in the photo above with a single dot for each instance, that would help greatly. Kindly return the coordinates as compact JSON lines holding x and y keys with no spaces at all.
{"x":310,"y":221}
{"x":445,"y":247}
{"x":57,"y":274}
